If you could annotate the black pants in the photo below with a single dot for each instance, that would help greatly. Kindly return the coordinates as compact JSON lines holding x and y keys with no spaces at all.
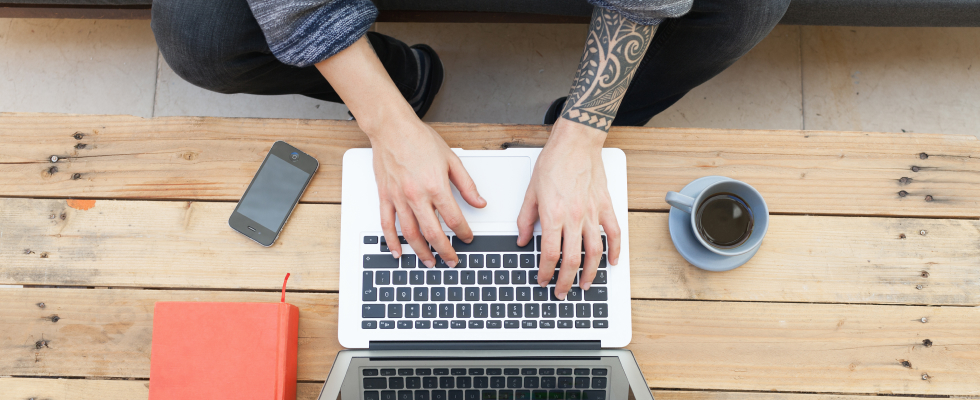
{"x":218,"y":45}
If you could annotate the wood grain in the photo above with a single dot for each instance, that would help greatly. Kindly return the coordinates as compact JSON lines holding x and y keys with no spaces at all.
{"x":95,"y":389}
{"x":167,"y":244}
{"x":679,"y":344}
{"x":807,"y":172}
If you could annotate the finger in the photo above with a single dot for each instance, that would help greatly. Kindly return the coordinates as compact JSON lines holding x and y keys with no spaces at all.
{"x":453,"y":217}
{"x":465,"y":184}
{"x":526,"y":219}
{"x":410,"y":230}
{"x":593,"y":252}
{"x":550,"y":252}
{"x":388,"y":227}
{"x":570,"y":261}
{"x":607,"y":218}
{"x":432,"y":231}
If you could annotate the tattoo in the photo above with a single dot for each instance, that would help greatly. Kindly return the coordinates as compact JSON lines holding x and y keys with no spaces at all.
{"x":612,"y":52}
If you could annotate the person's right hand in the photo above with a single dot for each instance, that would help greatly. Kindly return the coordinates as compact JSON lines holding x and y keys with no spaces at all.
{"x":413,"y":166}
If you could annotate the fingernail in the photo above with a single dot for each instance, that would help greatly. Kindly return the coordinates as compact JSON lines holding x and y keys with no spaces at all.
{"x":451,"y":263}
{"x":561,"y":296}
{"x":614,"y":261}
{"x":585,"y":286}
{"x":543,"y":283}
{"x":395,"y":253}
{"x":429,"y":263}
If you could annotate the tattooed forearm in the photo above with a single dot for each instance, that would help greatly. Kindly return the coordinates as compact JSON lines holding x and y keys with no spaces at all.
{"x":612,"y":53}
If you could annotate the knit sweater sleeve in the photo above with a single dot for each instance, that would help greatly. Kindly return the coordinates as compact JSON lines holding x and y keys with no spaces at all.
{"x":646,"y":12}
{"x":304,"y":32}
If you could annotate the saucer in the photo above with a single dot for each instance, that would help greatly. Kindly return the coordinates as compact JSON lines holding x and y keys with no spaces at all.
{"x":688,"y":245}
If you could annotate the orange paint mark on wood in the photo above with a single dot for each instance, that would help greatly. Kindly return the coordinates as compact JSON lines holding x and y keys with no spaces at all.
{"x":81,"y":204}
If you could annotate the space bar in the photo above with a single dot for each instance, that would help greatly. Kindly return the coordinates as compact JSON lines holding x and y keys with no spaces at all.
{"x":492,"y":244}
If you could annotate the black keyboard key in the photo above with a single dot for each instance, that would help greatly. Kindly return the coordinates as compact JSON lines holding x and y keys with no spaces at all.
{"x":463,"y":310}
{"x":549,"y":382}
{"x":510,"y":260}
{"x":489,"y":395}
{"x":523,"y":293}
{"x":593,"y":395}
{"x":441,"y":372}
{"x":446,"y":311}
{"x":514,"y":310}
{"x":505,"y":395}
{"x":540,"y":293}
{"x":467,"y":277}
{"x":422,"y":395}
{"x":382,"y":278}
{"x":464,"y":382}
{"x":481,"y":382}
{"x":372,"y":395}
{"x":556,"y":395}
{"x":440,"y":263}
{"x":494,"y":324}
{"x":433,"y":277}
{"x":413,"y":382}
{"x":547,"y":324}
{"x":404,"y":294}
{"x":575,"y":294}
{"x":472,"y":293}
{"x":405,"y":372}
{"x":565,"y":382}
{"x":491,"y":244}
{"x":596,"y":293}
{"x":384,"y":248}
{"x":459,"y":371}
{"x":506,"y":294}
{"x":421,"y":294}
{"x":379,"y":261}
{"x":598,"y":383}
{"x":514,"y":382}
{"x":600,"y":277}
{"x":484,"y":277}
{"x":518,"y":277}
{"x":493,"y":260}
{"x":396,"y":382}
{"x":369,"y":372}
{"x":583,"y":310}
{"x":494,"y":371}
{"x":476,"y":324}
{"x":529,"y":371}
{"x":502,"y":277}
{"x":375,"y":383}
{"x":416,"y":277}
{"x":599,"y":372}
{"x":368,"y":291}
{"x":512,"y":324}
{"x":389,"y":372}
{"x":600,"y":310}
{"x":372,"y":311}
{"x":531,"y":382}
{"x":581,"y":371}
{"x":489,"y":294}
{"x":600,"y":323}
{"x":566,"y":310}
{"x":386,"y":324}
{"x":440,"y":324}
{"x":582,"y":382}
{"x":549,"y":310}
{"x":447,"y":382}
{"x":529,"y":324}
{"x":399,"y":278}
{"x":476,"y":260}
{"x":369,"y":324}
{"x":582,"y":324}
{"x":455,"y":395}
{"x":405,"y":395}
{"x":455,"y":294}
{"x":564,"y":371}
{"x":423,"y":371}
{"x":370,"y":240}
{"x":451,"y":277}
{"x":602,"y":261}
{"x":481,"y":310}
{"x":458,"y":324}
{"x":564,"y":324}
{"x":522,"y":395}
{"x":537,"y":239}
{"x":472,"y":395}
{"x":404,"y":324}
{"x":527,"y":261}
{"x":409,"y":261}
{"x":439,"y":395}
{"x":412,"y":311}
{"x":438,"y":294}
{"x":573,"y":395}
{"x":422,"y":324}
{"x":531,"y":310}
{"x":498,"y":310}
{"x":401,"y":239}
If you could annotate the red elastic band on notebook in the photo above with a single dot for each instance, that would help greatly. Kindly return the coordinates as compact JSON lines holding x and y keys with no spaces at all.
{"x":283,"y":300}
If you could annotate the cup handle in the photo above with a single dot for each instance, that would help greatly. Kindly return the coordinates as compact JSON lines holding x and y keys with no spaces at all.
{"x":680,"y":201}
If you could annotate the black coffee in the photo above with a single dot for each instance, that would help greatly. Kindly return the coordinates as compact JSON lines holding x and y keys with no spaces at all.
{"x":724,"y":220}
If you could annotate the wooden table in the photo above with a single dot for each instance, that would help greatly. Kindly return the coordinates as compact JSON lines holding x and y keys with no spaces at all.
{"x":867,"y":283}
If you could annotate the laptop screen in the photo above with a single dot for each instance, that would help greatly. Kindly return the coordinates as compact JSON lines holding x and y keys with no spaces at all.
{"x":487,"y":378}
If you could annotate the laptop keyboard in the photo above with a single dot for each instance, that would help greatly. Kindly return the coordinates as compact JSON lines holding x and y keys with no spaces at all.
{"x":484,"y":383}
{"x":494,"y":286}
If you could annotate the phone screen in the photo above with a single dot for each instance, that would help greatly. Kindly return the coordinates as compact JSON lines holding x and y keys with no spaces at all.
{"x":273,"y":192}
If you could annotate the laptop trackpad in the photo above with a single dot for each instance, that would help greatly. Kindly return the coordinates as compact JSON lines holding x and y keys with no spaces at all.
{"x":502,"y":181}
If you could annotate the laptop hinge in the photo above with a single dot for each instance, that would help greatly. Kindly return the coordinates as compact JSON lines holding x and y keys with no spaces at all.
{"x":487,"y":345}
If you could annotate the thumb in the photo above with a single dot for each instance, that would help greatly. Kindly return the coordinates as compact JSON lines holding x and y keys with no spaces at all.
{"x":465,"y":184}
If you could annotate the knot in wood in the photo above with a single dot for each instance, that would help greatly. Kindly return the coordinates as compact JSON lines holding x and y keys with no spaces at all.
{"x":919,"y":287}
{"x":915,"y":168}
{"x":925,"y":274}
{"x":906,"y":364}
{"x":905,"y":180}
{"x":78,"y":135}
{"x":76,"y":176}
{"x":923,"y":156}
{"x":41,"y":305}
{"x":927,"y":343}
{"x":928,"y":197}
{"x":901,"y":236}
{"x":902,"y":193}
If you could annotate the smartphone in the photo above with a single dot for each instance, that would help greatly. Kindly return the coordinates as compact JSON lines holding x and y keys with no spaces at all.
{"x":273,"y":193}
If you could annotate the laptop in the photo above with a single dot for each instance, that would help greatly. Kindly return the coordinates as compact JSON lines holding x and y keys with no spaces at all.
{"x":485,"y":315}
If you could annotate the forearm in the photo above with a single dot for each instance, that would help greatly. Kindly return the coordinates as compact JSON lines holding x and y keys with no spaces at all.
{"x":613,"y":50}
{"x":362,"y":82}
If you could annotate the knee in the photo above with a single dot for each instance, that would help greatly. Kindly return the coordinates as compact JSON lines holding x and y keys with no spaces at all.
{"x":194,"y":41}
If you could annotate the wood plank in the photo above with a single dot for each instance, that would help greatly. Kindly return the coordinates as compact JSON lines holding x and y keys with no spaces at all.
{"x":95,"y":389}
{"x":189,"y":245}
{"x":812,"y":172}
{"x":679,"y":344}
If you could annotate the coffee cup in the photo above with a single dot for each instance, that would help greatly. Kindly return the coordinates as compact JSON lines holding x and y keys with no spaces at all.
{"x":728,"y":217}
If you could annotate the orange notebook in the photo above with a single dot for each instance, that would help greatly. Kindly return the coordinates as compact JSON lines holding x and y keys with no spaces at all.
{"x":224,"y":351}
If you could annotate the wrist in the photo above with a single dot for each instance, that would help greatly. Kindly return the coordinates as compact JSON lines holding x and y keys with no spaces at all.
{"x":566,"y":131}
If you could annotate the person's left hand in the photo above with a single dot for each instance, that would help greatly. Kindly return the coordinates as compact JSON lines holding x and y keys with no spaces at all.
{"x":568,"y":192}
